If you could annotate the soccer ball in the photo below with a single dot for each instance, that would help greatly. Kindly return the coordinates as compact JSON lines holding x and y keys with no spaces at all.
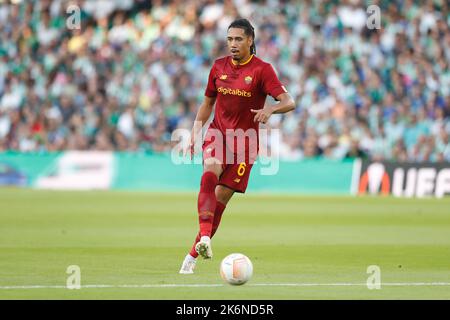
{"x":236,"y":269}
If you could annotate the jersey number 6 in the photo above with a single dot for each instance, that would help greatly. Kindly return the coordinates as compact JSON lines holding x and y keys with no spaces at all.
{"x":241,"y":169}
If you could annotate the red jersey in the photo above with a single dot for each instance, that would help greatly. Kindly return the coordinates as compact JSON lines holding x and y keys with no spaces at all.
{"x":238,"y":89}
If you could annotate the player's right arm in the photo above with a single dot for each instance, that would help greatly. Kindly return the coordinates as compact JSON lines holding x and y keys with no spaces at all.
{"x":205,"y":110}
{"x":203,"y":114}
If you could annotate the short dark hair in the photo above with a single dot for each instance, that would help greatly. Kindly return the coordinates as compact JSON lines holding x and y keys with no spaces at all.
{"x":248,"y":30}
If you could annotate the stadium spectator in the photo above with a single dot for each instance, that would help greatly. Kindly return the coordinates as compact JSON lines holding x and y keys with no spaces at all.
{"x":134,"y":72}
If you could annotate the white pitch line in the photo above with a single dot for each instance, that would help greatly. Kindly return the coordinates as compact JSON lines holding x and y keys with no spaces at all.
{"x":97,"y":286}
{"x":351,"y":284}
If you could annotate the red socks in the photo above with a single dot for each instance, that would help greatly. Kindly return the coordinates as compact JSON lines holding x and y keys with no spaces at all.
{"x":206,"y":204}
{"x":220,"y":207}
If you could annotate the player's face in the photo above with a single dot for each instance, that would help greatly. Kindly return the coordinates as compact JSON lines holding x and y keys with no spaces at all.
{"x":238,"y":43}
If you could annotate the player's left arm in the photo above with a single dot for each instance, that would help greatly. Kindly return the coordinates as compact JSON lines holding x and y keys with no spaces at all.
{"x":286,"y":104}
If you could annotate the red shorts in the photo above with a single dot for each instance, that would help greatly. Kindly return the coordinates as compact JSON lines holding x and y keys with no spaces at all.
{"x":236,"y":173}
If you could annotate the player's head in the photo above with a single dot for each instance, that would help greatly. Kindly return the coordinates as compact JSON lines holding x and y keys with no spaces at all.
{"x":241,"y":39}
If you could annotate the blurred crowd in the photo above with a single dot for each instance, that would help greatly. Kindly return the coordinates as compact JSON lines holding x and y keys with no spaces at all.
{"x":136,"y":70}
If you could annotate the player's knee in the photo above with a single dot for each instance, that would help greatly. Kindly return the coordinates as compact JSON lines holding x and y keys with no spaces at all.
{"x":223,"y":195}
{"x":212,"y":166}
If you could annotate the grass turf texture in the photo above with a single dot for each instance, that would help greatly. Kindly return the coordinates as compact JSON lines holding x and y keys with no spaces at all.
{"x":141,"y":239}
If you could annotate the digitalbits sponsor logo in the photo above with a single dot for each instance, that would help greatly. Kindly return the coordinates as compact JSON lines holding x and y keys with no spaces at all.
{"x":234,"y":92}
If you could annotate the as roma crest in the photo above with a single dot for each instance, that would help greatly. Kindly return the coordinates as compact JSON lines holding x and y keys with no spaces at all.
{"x":248,"y":79}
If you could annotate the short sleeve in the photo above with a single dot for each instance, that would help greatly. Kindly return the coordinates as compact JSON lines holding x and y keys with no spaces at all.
{"x":271,"y":85}
{"x":211,"y":90}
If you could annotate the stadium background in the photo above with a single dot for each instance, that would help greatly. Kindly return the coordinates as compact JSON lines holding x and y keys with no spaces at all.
{"x":95,"y":107}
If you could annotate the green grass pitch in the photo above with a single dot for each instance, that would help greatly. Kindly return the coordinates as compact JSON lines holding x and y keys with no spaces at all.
{"x":129,"y":245}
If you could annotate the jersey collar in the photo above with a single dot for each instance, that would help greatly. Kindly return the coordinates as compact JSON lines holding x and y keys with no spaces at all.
{"x":243,"y":63}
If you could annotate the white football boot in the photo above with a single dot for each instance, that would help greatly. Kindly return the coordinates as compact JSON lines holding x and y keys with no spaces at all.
{"x":203,"y":247}
{"x":188,"y":265}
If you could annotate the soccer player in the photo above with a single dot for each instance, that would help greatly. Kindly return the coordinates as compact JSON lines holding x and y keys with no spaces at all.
{"x":238,"y":85}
